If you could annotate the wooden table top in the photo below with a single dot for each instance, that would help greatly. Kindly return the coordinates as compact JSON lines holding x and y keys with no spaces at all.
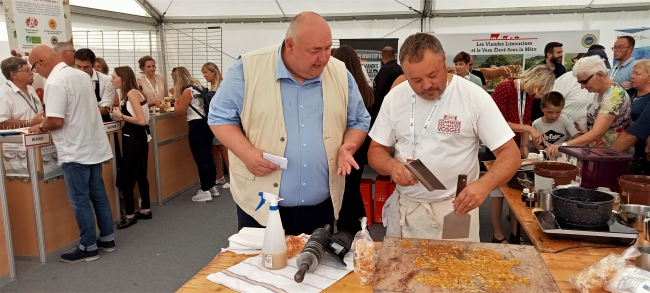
{"x":542,"y":242}
{"x":561,"y":266}
{"x":224,"y":260}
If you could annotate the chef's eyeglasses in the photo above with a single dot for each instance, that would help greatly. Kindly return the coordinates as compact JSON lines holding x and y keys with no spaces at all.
{"x":34,"y":65}
{"x":586,"y":80}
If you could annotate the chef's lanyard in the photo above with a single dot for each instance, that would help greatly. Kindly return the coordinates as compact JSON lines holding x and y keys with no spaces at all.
{"x":155,"y":89}
{"x":521,"y":103}
{"x":426,"y":124}
{"x":35,"y":108}
{"x":615,"y":71}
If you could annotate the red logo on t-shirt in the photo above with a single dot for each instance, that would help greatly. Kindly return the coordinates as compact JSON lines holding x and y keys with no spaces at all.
{"x":449,"y":125}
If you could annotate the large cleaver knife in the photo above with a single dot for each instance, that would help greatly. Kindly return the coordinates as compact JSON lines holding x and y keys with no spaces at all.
{"x":421,"y":173}
{"x":457,"y":226}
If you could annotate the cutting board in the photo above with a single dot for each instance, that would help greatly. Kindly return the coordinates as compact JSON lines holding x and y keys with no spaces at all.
{"x":395,"y":268}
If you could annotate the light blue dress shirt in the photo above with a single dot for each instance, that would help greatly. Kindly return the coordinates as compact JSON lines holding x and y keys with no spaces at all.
{"x":624,"y":72}
{"x":305,"y":182}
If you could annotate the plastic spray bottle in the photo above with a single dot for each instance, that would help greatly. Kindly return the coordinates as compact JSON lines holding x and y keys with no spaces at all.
{"x":274,"y":248}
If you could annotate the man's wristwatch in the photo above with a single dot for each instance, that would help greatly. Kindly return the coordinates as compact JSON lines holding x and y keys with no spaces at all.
{"x":40,"y":127}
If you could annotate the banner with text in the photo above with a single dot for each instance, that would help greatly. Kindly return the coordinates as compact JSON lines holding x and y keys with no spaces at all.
{"x":502,"y":55}
{"x":38,"y":22}
{"x":369,"y":51}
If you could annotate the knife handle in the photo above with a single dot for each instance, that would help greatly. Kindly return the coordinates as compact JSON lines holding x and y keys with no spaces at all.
{"x":462,"y":182}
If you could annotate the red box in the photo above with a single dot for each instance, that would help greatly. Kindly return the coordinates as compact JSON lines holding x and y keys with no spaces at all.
{"x":391,"y":188}
{"x":369,"y":212}
{"x":378,"y":211}
{"x":382,"y":184}
{"x":366,"y":190}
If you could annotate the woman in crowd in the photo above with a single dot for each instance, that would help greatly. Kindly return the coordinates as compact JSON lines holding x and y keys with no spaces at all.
{"x":188,"y":101}
{"x":640,"y":91}
{"x":461,"y":61}
{"x":640,"y":98}
{"x":609,"y":115}
{"x":153,"y":85}
{"x":352,"y":208}
{"x":100,"y":65}
{"x":134,"y":111}
{"x":514,"y":98}
{"x":213,"y":76}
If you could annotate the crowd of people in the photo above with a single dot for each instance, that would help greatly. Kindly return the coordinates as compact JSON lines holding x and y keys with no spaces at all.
{"x":315,"y":106}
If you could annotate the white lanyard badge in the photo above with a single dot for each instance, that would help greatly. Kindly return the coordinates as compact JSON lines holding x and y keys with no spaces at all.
{"x":155,"y":89}
{"x":426,"y":124}
{"x":614,"y":71}
{"x":521,"y":103}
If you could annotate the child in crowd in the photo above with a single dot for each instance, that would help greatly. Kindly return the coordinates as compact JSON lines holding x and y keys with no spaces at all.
{"x":555,"y":127}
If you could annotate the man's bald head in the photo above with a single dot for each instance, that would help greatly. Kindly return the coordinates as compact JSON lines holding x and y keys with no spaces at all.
{"x":307,"y":46}
{"x":305,"y":22}
{"x":387,"y":54}
{"x":45,"y":58}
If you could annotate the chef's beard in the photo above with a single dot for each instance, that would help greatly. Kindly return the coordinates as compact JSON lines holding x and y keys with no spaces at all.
{"x":555,"y":60}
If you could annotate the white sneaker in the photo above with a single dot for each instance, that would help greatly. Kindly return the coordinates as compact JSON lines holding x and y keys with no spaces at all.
{"x":221,"y":181}
{"x":202,"y":196}
{"x":226,"y":185}
{"x":214,"y":191}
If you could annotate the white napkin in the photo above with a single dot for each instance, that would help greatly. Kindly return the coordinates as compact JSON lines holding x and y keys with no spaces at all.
{"x":250,"y":276}
{"x":247,"y":241}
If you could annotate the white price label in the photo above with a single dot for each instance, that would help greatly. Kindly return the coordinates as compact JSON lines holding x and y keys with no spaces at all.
{"x":36,"y":139}
{"x":112,"y":126}
{"x":268,"y":261}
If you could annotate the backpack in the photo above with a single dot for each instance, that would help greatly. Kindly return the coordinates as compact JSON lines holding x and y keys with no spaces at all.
{"x":204,"y":94}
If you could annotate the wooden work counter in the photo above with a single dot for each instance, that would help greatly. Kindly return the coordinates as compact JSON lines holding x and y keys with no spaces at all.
{"x":542,"y":242}
{"x":561,"y":267}
{"x":42,"y":221}
{"x":171,"y":169}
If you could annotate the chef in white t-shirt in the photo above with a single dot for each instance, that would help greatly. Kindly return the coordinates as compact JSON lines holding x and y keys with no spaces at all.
{"x":439,"y":119}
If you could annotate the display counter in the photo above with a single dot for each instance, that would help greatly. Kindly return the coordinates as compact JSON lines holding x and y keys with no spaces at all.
{"x":171,"y":165}
{"x":7,"y":265}
{"x":42,"y":221}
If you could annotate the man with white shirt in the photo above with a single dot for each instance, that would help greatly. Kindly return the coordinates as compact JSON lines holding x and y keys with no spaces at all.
{"x":437,"y":118}
{"x":84,"y":59}
{"x":66,"y":52}
{"x":19,"y":103}
{"x":82,"y":145}
{"x":622,"y":72}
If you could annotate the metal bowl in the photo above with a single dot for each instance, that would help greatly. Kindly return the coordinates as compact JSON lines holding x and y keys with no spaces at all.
{"x":634,"y":215}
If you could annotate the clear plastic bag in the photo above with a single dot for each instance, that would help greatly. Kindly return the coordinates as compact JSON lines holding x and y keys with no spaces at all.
{"x":364,"y":255}
{"x":597,"y":275}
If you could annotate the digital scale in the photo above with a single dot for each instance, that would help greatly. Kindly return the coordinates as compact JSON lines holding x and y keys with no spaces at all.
{"x":616,"y":231}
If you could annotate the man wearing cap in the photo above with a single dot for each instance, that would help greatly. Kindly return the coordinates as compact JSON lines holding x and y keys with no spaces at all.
{"x":622,"y":72}
{"x":577,"y":99}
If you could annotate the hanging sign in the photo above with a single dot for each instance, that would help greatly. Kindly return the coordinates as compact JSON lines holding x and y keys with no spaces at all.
{"x":501,"y":55}
{"x":38,"y":22}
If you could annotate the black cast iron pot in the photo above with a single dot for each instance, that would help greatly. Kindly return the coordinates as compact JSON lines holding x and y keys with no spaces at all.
{"x":582,"y":207}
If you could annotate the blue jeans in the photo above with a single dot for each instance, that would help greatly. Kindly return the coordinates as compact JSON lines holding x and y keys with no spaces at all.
{"x":85,"y":186}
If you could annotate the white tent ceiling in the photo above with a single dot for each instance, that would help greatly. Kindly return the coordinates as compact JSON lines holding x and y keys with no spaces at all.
{"x":282,"y":10}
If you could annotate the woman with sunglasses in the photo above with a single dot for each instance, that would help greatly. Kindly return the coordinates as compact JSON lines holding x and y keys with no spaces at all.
{"x":609,"y":114}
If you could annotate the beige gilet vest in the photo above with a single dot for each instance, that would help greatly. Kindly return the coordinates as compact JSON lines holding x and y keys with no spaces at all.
{"x":263,"y":125}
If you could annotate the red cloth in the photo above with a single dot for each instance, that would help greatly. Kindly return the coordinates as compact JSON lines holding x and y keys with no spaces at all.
{"x":505,"y":96}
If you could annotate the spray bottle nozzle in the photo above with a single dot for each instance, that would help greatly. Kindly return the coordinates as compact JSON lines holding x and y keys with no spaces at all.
{"x":271,"y":198}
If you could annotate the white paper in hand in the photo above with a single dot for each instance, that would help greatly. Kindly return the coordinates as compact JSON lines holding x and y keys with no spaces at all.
{"x":280,"y":161}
